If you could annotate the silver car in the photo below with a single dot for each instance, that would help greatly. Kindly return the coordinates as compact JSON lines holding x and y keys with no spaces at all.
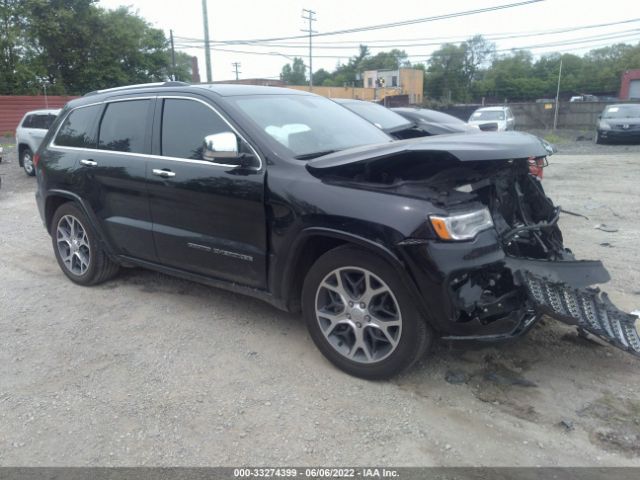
{"x":493,"y":119}
{"x":29,"y":134}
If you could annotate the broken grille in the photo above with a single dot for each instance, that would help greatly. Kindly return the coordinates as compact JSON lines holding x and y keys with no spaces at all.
{"x":589,"y":308}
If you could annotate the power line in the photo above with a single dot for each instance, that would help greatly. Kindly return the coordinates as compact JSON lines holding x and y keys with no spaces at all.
{"x":386,"y":25}
{"x":186,"y":41}
{"x":311,"y":18}
{"x":617,"y":35}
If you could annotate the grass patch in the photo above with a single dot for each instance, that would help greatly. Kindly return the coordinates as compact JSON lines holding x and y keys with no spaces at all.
{"x":554,"y":138}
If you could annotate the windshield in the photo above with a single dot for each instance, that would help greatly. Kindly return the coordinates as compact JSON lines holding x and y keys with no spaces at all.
{"x":487,"y":115}
{"x":380,"y":116}
{"x":308,"y":124}
{"x":622,"y":111}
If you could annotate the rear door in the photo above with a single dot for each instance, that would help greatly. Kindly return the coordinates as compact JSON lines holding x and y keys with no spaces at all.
{"x":208,"y":217}
{"x":114,"y":175}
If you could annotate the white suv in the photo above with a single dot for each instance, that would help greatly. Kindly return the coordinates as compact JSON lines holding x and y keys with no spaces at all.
{"x":493,"y":119}
{"x":29,"y":134}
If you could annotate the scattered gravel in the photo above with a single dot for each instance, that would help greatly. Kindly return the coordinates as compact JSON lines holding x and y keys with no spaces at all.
{"x":152,"y":370}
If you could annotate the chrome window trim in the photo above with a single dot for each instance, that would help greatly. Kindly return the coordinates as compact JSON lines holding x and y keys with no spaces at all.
{"x":53,"y":145}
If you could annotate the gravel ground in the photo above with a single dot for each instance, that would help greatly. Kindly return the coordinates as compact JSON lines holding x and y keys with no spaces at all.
{"x":151,"y":370}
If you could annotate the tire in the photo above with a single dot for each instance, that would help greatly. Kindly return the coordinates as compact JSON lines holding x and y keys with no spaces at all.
{"x":26,"y":160}
{"x":77,"y":249}
{"x":383,"y":338}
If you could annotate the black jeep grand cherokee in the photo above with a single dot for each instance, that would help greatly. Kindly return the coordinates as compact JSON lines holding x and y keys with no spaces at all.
{"x":291,"y":198}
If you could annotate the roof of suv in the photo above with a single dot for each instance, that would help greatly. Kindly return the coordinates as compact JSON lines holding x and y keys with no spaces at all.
{"x":220,"y":89}
{"x":490,"y":109}
{"x":44,"y":111}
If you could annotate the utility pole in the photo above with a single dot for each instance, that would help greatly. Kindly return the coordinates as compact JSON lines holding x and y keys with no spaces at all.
{"x":236,"y":65}
{"x":555,"y":114}
{"x":311,"y":18}
{"x":207,"y":52}
{"x":173,"y":56}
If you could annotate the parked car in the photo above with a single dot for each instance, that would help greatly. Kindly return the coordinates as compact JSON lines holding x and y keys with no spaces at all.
{"x":434,"y":122}
{"x":493,"y":119}
{"x":1,"y":153}
{"x":386,"y":120}
{"x":585,"y":97}
{"x":424,"y":122}
{"x":620,"y":122}
{"x":289,"y":197}
{"x":29,"y":134}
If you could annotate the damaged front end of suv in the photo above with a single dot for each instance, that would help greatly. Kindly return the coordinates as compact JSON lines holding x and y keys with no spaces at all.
{"x":491,"y":248}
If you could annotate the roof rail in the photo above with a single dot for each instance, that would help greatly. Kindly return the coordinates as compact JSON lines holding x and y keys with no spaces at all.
{"x":139,"y":85}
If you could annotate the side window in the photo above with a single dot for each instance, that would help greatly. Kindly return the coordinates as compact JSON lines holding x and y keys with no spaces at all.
{"x":185,"y":123}
{"x":28,"y":121}
{"x":77,"y":130}
{"x":42,"y":122}
{"x":123,"y":126}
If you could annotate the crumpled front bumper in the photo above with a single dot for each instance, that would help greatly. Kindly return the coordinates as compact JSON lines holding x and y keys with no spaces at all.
{"x":564,"y":291}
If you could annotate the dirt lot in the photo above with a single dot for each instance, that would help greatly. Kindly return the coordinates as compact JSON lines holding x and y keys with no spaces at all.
{"x":150,"y":370}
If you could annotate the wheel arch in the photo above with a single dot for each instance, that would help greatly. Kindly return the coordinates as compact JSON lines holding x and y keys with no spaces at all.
{"x":56,"y":198}
{"x":316,"y":241}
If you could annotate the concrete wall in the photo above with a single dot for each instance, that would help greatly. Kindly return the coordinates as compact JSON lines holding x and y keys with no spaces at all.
{"x":13,"y":108}
{"x":349,"y":92}
{"x":571,"y":115}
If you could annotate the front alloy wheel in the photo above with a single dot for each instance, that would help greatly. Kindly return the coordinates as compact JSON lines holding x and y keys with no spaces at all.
{"x":358,"y":314}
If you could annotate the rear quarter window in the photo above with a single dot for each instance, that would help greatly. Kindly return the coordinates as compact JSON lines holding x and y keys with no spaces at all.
{"x":78,"y":129}
{"x":27,"y":122}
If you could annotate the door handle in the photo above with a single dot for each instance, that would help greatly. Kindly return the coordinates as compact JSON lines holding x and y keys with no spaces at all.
{"x":89,"y":163}
{"x":163,"y":173}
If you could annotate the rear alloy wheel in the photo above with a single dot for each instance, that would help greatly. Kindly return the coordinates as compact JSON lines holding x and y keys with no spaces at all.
{"x":27,"y":162}
{"x":77,"y":250}
{"x":360,"y":315}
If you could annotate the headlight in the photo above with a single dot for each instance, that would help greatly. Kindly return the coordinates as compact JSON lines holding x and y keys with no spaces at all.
{"x":605,"y":126}
{"x":462,"y":226}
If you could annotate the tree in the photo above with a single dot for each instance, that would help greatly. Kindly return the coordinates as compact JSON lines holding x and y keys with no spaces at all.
{"x":445,"y":76}
{"x":294,"y":74}
{"x":453,"y":69}
{"x":320,"y":76}
{"x":391,"y":60}
{"x":76,"y":47}
{"x":85,"y":48}
{"x":19,"y":69}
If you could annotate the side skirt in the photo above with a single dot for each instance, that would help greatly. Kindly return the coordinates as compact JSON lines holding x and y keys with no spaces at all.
{"x":263,"y":295}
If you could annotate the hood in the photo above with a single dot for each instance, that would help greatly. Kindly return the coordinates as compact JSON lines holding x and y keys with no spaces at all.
{"x":621,"y":120}
{"x":464,"y":147}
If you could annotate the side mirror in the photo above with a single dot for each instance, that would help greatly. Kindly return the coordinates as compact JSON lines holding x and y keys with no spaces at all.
{"x":220,"y":146}
{"x":600,"y":117}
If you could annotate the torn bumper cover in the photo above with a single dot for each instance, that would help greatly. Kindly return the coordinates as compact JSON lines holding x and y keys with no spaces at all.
{"x":564,"y":291}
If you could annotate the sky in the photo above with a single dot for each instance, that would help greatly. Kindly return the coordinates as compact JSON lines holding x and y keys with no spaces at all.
{"x":250,"y":20}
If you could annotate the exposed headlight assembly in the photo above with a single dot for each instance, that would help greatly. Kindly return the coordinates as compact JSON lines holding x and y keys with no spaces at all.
{"x":461,"y":226}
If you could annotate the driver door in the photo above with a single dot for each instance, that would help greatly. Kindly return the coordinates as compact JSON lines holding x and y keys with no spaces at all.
{"x":208,"y":216}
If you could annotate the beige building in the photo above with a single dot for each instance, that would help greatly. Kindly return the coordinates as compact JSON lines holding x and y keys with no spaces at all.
{"x":357,"y":93}
{"x":405,"y":81}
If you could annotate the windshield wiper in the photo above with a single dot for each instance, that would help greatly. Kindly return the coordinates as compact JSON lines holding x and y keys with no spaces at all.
{"x":309,"y":156}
